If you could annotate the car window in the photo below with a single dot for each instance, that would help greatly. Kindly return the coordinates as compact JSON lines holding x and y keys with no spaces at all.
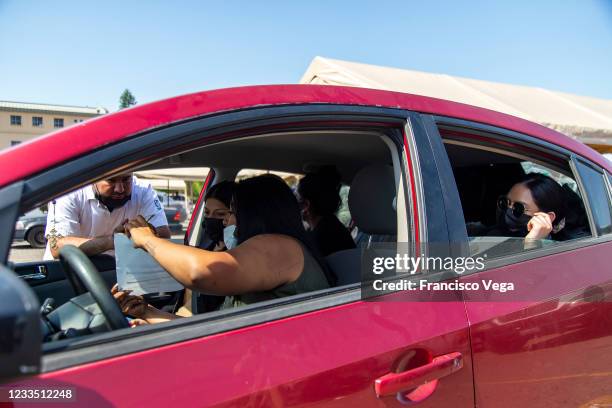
{"x":374,"y":155}
{"x":599,"y":198}
{"x":29,"y":236}
{"x":501,"y":195}
{"x":175,"y":194}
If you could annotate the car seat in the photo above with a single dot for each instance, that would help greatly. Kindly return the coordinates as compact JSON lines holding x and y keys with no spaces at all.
{"x":370,"y":202}
{"x":480,"y":186}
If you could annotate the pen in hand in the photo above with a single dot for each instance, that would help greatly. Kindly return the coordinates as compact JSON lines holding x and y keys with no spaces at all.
{"x":125,"y":231}
{"x":150,"y":225}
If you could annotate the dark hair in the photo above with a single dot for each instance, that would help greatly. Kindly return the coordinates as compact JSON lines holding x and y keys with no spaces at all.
{"x":563,"y":201}
{"x":547,"y":194}
{"x":222,"y":191}
{"x":322,"y":189}
{"x":266,"y":205}
{"x":576,"y":219}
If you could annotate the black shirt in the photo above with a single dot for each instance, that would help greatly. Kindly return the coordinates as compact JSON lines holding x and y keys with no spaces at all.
{"x":331,"y":236}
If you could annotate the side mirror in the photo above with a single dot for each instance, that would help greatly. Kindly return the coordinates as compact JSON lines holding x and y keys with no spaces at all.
{"x":20,"y":328}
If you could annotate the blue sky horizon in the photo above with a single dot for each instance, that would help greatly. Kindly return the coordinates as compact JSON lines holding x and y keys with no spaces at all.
{"x":77,"y":53}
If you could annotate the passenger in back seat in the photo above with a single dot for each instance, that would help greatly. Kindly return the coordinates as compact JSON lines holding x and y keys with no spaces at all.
{"x":538,"y":208}
{"x":319,"y":198}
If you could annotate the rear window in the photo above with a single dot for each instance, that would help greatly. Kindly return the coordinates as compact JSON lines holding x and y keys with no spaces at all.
{"x":599,"y":199}
{"x":504,"y":194}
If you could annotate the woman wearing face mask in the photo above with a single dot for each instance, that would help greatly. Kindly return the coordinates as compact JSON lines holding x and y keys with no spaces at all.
{"x":216,"y":210}
{"x":216,"y":217}
{"x":537,"y":209}
{"x":273,"y":256}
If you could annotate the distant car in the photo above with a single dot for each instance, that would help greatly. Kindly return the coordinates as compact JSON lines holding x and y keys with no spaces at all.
{"x":31,"y":227}
{"x":174,"y":200}
{"x":175,"y":215}
{"x":176,"y":209}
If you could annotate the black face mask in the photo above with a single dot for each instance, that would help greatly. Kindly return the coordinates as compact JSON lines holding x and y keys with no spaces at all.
{"x":213,"y":229}
{"x":112,"y":203}
{"x":516,"y":225}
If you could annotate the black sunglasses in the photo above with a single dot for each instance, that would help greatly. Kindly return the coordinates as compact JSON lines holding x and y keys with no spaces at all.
{"x":503,"y":203}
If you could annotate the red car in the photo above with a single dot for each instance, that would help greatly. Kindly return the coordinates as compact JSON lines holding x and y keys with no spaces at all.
{"x":420,"y":170}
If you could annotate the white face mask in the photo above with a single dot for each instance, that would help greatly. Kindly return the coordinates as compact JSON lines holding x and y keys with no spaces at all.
{"x":229,"y":238}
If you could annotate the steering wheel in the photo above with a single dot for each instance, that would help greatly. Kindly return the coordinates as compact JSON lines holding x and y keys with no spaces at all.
{"x":81,"y":270}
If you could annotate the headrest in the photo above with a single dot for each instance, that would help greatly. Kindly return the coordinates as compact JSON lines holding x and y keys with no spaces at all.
{"x":371,"y":200}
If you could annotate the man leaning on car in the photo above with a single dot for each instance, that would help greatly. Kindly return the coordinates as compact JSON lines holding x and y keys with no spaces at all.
{"x":88,"y":217}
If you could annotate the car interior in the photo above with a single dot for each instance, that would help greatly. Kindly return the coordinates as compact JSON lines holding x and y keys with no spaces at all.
{"x":369,"y":164}
{"x":484,"y":171}
{"x":367,"y":161}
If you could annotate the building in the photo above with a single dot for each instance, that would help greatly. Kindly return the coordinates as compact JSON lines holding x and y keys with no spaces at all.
{"x":584,"y":118}
{"x":21,"y":121}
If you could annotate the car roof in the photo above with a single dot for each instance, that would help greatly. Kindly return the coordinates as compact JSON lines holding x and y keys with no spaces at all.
{"x":54,"y":148}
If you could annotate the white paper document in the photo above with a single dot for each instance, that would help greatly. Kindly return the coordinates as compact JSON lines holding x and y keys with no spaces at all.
{"x":139,"y":271}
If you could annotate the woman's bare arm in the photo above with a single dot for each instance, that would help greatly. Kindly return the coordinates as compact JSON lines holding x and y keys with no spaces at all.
{"x":261,"y":263}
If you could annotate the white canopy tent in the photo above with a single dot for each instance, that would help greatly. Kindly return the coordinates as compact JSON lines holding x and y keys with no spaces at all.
{"x":584,"y":118}
{"x":167,"y":184}
{"x":182,"y":173}
{"x":174,"y":179}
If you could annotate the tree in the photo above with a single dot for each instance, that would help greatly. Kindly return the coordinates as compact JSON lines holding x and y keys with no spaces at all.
{"x":126,"y":99}
{"x":195,"y":188}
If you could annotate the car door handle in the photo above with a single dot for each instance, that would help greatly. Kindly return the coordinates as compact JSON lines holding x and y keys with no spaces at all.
{"x":42,"y":274}
{"x":441,"y":366}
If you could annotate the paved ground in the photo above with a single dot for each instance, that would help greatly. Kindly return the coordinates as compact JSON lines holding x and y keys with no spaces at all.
{"x":21,"y":251}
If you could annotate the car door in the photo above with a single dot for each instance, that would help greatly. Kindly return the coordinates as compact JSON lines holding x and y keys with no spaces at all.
{"x":546,"y":342}
{"x":48,"y":278}
{"x":323,"y":349}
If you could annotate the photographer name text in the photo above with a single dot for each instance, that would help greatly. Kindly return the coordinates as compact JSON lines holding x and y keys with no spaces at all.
{"x":423,"y":284}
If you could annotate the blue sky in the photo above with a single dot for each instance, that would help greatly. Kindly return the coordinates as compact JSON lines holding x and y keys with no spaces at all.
{"x":86,"y":53}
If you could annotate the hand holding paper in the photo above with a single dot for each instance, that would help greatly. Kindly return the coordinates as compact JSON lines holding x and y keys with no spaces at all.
{"x":140,"y":272}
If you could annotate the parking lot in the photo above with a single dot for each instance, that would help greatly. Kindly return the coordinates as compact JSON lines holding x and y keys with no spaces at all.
{"x":21,"y":251}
